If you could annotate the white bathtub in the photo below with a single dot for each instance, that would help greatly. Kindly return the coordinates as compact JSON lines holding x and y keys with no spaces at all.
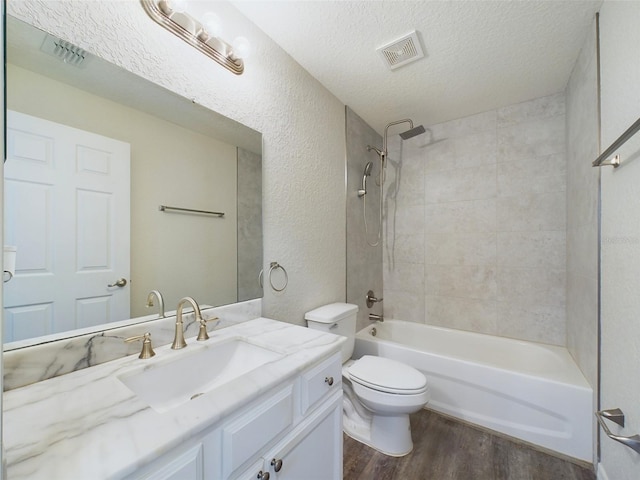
{"x":527,"y":390}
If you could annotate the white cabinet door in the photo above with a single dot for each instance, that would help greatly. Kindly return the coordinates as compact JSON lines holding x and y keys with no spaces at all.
{"x":313,"y":451}
{"x":247,"y":437}
{"x":67,"y":195}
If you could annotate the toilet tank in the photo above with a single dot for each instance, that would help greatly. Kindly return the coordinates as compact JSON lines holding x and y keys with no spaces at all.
{"x":336,"y":318}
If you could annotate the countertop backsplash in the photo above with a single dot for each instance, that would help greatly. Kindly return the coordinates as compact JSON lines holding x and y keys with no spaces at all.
{"x":24,"y":366}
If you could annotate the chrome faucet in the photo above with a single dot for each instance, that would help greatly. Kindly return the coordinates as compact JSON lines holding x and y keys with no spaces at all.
{"x":158,"y":295}
{"x":178,"y":340}
{"x":376,"y":318}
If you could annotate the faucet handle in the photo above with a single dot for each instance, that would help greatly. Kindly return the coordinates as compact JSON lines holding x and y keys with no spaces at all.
{"x":147,"y":348}
{"x":202,"y":333}
{"x":371,"y":299}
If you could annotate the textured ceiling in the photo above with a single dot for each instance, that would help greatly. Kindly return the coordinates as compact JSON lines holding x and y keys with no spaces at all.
{"x":479,"y":55}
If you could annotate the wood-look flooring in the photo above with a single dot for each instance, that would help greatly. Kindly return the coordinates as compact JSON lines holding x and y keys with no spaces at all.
{"x":445,"y":449}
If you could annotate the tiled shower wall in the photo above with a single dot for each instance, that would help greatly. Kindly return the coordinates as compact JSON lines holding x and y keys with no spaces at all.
{"x":249,"y":224}
{"x":582,"y":216}
{"x":582,"y":211}
{"x":476,"y":224}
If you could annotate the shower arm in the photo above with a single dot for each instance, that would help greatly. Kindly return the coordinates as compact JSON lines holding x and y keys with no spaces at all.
{"x":397,"y":122}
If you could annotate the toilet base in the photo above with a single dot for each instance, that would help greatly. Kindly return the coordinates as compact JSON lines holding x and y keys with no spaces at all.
{"x":376,"y":435}
{"x":388,"y":434}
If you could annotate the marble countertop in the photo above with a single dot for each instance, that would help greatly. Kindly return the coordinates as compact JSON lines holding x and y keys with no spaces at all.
{"x":88,"y":424}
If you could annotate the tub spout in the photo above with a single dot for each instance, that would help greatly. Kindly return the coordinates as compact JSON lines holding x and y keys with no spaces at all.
{"x":376,"y":318}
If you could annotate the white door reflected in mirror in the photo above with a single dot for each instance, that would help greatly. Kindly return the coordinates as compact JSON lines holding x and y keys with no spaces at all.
{"x":70,"y":223}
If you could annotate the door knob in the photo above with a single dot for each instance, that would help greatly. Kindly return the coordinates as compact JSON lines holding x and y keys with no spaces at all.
{"x":121,"y":282}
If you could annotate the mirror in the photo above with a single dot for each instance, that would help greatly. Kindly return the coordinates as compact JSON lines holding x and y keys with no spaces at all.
{"x":179,"y":154}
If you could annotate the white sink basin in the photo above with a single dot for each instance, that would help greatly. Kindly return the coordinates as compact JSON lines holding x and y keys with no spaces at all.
{"x":169,"y":384}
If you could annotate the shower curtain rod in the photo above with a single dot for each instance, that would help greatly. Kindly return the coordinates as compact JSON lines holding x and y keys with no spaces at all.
{"x":630,"y":132}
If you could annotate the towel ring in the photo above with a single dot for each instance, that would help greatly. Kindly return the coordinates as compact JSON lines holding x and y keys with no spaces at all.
{"x":275,"y":266}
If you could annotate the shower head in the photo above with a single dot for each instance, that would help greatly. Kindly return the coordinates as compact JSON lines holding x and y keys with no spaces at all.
{"x":367,"y":171}
{"x":419,"y":130}
{"x":412,"y":132}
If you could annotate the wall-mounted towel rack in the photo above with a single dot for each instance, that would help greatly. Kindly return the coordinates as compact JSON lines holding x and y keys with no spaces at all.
{"x":165,"y":208}
{"x":617,"y":416}
{"x":602,"y":161}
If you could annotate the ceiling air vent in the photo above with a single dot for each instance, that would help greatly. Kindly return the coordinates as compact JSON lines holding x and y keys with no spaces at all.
{"x":65,"y":51}
{"x":402,"y":51}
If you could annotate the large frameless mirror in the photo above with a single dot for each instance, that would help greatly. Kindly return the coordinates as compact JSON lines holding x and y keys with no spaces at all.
{"x":93,"y":152}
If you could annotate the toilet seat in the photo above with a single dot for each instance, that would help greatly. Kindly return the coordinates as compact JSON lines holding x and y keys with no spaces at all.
{"x":386,"y":375}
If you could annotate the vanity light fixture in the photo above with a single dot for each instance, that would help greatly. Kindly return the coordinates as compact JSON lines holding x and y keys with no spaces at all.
{"x":203,"y":35}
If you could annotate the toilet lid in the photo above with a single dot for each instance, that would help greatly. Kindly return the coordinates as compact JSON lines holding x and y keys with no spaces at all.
{"x":387,"y":375}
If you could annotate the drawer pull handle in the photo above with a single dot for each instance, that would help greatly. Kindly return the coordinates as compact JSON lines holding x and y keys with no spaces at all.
{"x":263,"y":475}
{"x":328,"y":380}
{"x":276,"y":464}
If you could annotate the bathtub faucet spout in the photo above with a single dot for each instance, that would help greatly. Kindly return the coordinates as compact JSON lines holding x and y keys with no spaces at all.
{"x":376,"y":318}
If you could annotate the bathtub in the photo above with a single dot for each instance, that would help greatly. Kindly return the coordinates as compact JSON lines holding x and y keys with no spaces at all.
{"x":526,"y":390}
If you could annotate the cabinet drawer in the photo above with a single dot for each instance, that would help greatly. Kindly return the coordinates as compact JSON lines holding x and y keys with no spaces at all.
{"x":320,"y":381}
{"x":244,"y":438}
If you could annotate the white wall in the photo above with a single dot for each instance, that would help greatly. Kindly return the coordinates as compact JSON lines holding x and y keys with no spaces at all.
{"x":301,"y":122}
{"x":620,"y":236}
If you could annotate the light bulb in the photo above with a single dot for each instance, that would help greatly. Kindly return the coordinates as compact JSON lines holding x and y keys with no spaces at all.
{"x":212,"y":24}
{"x":241,"y":47}
{"x":178,"y":6}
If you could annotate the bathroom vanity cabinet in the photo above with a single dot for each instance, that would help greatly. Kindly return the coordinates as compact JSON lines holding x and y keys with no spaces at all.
{"x":280,"y":420}
{"x":293,"y":432}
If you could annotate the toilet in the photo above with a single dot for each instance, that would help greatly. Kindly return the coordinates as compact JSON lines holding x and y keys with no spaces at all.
{"x":379,"y":393}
